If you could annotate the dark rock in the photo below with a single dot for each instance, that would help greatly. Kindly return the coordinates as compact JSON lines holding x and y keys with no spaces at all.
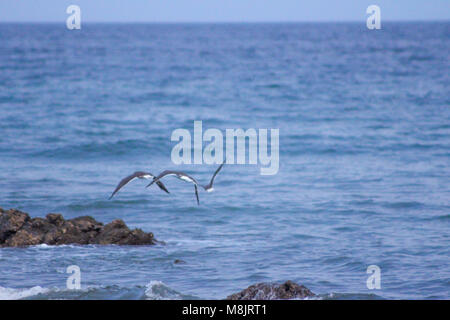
{"x":55,"y":218}
{"x":269,"y":291}
{"x":116,"y":232}
{"x":18,"y":229}
{"x":10,"y":222}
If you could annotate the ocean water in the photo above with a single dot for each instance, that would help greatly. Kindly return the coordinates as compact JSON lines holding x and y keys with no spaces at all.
{"x":364,"y":171}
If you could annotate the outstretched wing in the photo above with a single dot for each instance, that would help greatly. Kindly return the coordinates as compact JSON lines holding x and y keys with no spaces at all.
{"x":140,"y":175}
{"x":162,"y":186}
{"x":196,"y":194}
{"x":161,"y":175}
{"x":215,"y":174}
{"x":180,"y":175}
{"x":209,"y":186}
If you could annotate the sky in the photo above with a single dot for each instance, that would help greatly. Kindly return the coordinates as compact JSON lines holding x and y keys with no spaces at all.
{"x":221,"y":10}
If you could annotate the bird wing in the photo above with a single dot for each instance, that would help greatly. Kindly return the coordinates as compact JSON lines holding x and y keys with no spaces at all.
{"x":196,"y":194}
{"x":185,"y":177}
{"x":140,"y":175}
{"x":162,"y":186}
{"x":125,"y":180}
{"x":161,"y":175}
{"x":214,"y":176}
{"x":180,"y":175}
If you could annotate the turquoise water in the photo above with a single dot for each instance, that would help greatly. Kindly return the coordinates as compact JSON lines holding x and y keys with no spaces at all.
{"x":364,"y":172}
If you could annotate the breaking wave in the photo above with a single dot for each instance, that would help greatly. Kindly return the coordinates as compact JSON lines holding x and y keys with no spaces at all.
{"x":154,"y":290}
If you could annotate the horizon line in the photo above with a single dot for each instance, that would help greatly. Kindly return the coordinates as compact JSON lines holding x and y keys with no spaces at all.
{"x":228,"y":22}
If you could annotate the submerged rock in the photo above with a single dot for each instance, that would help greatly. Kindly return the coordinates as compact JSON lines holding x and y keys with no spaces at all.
{"x":18,"y":229}
{"x":270,"y":291}
{"x":179,"y":261}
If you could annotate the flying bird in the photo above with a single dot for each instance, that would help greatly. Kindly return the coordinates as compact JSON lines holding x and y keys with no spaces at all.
{"x":138,"y":175}
{"x":185,"y":177}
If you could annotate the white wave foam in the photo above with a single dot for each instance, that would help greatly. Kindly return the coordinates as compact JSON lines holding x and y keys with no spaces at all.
{"x":58,"y":246}
{"x":42,"y":246}
{"x":157,"y":290}
{"x":15,"y":294}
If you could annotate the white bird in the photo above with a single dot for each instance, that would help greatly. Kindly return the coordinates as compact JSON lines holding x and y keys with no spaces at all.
{"x":138,"y":175}
{"x":185,"y":177}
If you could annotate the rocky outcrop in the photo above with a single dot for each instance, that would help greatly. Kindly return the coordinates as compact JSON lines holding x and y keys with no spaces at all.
{"x":18,"y":229}
{"x":270,"y":291}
